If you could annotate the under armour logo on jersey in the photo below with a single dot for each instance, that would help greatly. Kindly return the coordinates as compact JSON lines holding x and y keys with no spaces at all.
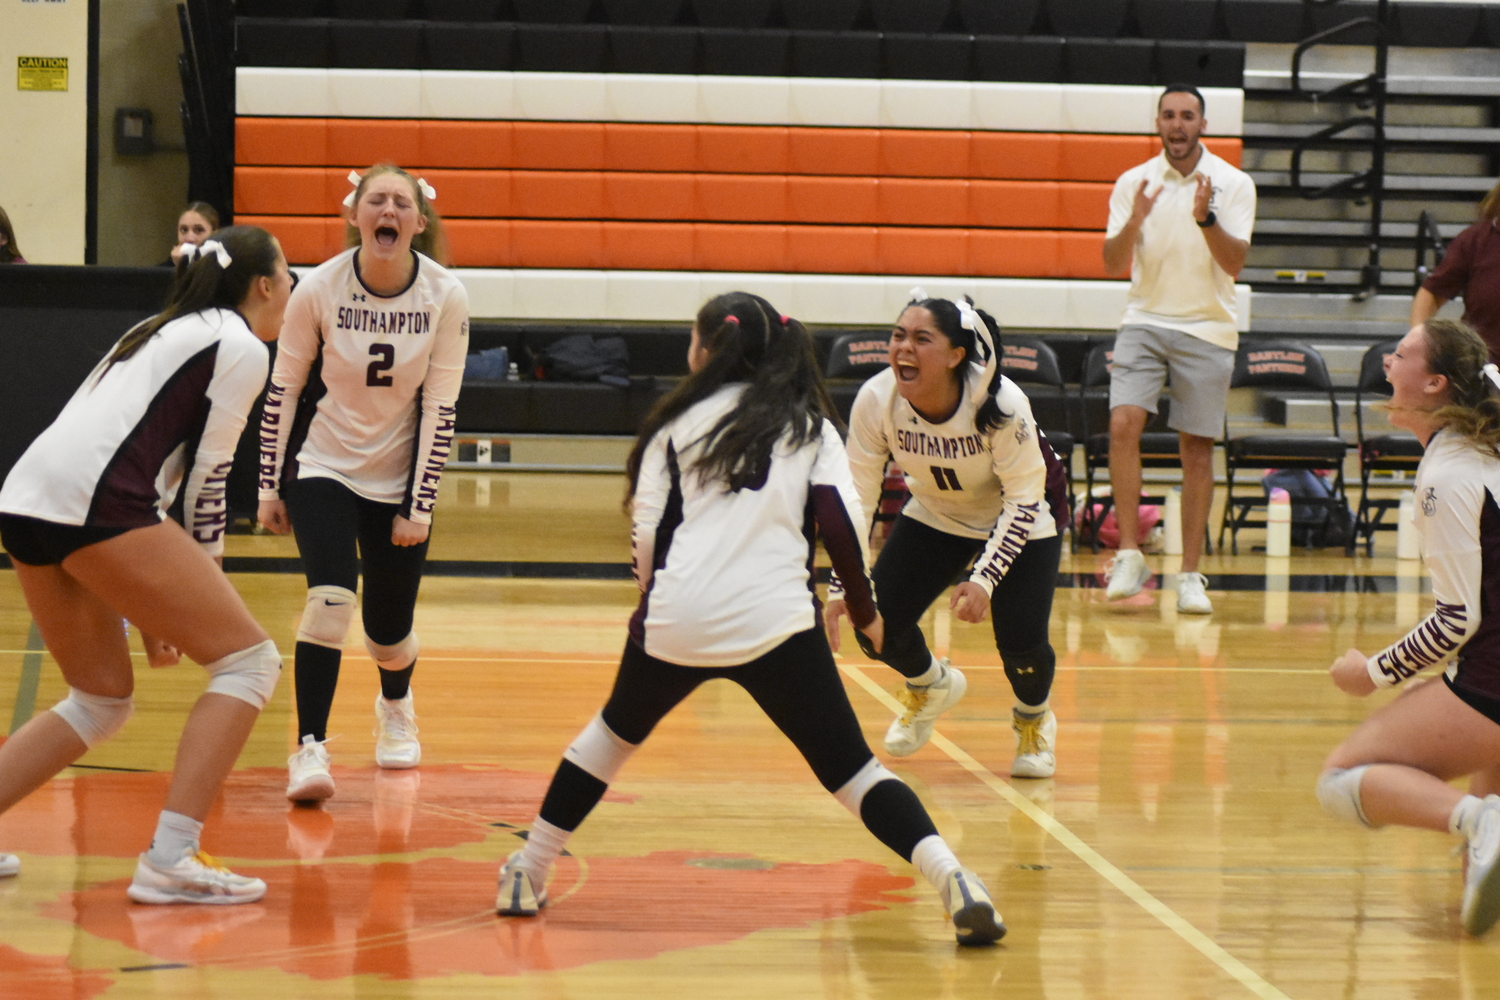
{"x":911,"y":419}
{"x":1429,"y":501}
{"x":356,"y":297}
{"x":1022,"y":432}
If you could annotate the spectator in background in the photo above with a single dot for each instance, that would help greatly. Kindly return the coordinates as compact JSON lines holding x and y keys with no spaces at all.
{"x":9,"y":252}
{"x":197,"y":220}
{"x":1179,"y":225}
{"x":1470,"y":270}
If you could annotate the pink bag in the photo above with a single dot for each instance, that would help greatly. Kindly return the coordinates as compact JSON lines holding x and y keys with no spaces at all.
{"x":1109,"y":530}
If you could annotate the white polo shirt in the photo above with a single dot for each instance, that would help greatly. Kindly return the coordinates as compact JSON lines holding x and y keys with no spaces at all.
{"x":1174,"y":280}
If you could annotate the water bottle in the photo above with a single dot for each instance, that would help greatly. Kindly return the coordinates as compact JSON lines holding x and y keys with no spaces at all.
{"x":513,"y":373}
{"x":1407,"y":546}
{"x":1279,"y":524}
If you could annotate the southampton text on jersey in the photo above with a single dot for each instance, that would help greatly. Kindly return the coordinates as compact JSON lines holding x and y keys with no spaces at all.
{"x":380,"y":321}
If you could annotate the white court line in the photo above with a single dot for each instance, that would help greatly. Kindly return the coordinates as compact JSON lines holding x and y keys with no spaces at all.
{"x":1175,"y":923}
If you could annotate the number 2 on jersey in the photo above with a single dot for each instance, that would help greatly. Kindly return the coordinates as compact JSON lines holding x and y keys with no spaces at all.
{"x":945,"y":477}
{"x":385,"y":360}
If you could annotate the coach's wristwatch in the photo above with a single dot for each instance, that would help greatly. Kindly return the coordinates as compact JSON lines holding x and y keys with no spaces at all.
{"x":1208,"y":222}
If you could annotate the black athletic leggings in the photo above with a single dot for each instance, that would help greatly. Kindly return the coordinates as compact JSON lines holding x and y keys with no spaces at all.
{"x":336,"y":528}
{"x":919,"y":562}
{"x":797,"y":685}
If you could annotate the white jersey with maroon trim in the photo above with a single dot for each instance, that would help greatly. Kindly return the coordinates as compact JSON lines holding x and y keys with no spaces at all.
{"x":975,"y":485}
{"x":158,"y":427}
{"x":1459,"y":524}
{"x":377,"y":379}
{"x":727,"y":577}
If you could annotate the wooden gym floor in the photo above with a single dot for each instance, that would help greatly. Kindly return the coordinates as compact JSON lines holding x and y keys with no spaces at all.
{"x":1179,"y":852}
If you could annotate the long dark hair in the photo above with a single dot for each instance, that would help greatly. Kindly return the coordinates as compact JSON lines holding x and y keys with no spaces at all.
{"x":747,"y":340}
{"x":951,"y":325}
{"x":201,"y":283}
{"x":1457,"y":353}
{"x":432,"y":241}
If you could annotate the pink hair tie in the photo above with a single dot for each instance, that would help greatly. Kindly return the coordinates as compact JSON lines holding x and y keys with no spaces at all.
{"x":785,"y":319}
{"x":732,"y":318}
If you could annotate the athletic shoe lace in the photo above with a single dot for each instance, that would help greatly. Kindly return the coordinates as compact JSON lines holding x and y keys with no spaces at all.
{"x":1030,"y":730}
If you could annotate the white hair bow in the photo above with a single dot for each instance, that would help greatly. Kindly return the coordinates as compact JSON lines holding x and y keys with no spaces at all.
{"x":354,"y":179}
{"x":428,"y":191}
{"x":188,"y":251}
{"x":1492,"y":373}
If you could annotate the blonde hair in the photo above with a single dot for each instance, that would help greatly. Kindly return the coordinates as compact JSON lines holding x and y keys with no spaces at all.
{"x":1489,"y":208}
{"x":1457,"y":353}
{"x":432,"y":241}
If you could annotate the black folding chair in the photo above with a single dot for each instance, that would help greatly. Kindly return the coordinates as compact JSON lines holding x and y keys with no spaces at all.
{"x":1280,"y":364}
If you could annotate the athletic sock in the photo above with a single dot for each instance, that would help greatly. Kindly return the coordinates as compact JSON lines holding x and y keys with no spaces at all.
{"x":1026,"y":709}
{"x":935,"y":672}
{"x":176,"y":838}
{"x":395,"y":683}
{"x":935,"y":860}
{"x":317,"y":675}
{"x":544,"y":844}
{"x":1461,"y":821}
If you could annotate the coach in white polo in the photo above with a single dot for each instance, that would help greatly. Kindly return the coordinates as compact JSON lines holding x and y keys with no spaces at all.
{"x":1180,"y":225}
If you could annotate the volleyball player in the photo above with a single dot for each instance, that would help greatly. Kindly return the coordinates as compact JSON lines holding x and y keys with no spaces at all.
{"x":984,"y":483}
{"x":83,"y":516}
{"x":1398,"y":765}
{"x":358,"y":425}
{"x":727,"y":477}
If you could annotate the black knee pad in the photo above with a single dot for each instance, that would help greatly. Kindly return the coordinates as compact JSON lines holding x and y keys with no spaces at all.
{"x":1030,"y":673}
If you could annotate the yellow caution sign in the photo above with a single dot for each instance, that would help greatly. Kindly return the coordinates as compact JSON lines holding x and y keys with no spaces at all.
{"x":41,"y":73}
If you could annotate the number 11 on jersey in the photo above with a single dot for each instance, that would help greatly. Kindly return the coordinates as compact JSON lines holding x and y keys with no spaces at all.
{"x":945,"y":477}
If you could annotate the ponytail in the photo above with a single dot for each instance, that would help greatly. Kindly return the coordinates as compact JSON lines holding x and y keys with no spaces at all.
{"x":217,"y":274}
{"x":1457,"y":353}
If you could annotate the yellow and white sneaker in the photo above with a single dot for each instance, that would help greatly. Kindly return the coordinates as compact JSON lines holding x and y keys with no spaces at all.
{"x":1036,"y":735}
{"x":913,"y":728}
{"x":197,"y":878}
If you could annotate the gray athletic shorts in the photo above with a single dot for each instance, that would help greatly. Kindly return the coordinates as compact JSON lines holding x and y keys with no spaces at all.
{"x":1199,"y":383}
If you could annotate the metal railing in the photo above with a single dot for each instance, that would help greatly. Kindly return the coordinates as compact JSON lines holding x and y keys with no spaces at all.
{"x":1368,"y":92}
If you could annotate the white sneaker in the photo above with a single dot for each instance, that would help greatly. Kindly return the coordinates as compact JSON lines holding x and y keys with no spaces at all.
{"x":9,"y":865}
{"x":974,"y":917}
{"x":1128,"y":573}
{"x":1191,"y":600}
{"x":307,"y":778}
{"x":1036,"y":735}
{"x":519,"y":895}
{"x":1481,"y":907}
{"x":396,"y":726}
{"x":913,"y":728}
{"x":197,"y":878}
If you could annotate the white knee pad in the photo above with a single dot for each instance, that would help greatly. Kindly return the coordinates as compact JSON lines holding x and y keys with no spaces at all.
{"x":599,"y":751}
{"x":852,"y":795}
{"x":398,"y":657}
{"x":1338,"y":791}
{"x":326,"y":618}
{"x":249,"y":675}
{"x":94,"y":717}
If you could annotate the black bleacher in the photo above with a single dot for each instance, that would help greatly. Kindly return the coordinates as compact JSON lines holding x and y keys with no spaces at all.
{"x":658,"y":358}
{"x":1139,"y":42}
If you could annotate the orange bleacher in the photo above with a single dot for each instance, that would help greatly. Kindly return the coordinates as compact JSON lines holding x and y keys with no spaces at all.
{"x":709,"y":197}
